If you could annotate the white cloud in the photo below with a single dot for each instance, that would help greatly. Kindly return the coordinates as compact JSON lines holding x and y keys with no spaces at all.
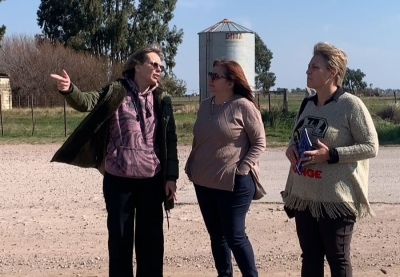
{"x":245,"y":22}
{"x":326,"y":28}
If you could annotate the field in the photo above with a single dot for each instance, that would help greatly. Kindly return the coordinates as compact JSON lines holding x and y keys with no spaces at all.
{"x":44,"y":125}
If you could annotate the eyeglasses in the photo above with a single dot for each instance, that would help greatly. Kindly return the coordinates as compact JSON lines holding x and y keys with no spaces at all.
{"x":215,"y":76}
{"x":156,"y":65}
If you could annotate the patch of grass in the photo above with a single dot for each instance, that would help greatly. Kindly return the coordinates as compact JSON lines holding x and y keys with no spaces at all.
{"x":184,"y":126}
{"x":278,"y":125}
{"x":49,"y":123}
{"x":388,"y":132}
{"x":390,"y":113}
{"x":46,"y":124}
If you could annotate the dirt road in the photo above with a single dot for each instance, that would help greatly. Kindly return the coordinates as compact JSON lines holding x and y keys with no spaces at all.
{"x":52,"y":220}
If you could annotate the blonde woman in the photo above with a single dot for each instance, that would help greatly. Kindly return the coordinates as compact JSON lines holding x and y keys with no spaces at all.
{"x":331,"y":191}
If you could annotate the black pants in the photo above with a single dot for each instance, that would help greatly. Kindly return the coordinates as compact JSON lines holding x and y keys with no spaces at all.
{"x":135,"y":217}
{"x":325,"y":237}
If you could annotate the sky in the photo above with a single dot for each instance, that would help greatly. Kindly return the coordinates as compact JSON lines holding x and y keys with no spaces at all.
{"x":367,"y":30}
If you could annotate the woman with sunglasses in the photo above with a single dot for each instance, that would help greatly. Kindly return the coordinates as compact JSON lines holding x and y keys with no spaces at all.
{"x":129,"y":135}
{"x":228,"y":140}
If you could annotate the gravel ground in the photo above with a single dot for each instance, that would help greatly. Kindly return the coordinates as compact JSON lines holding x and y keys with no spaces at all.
{"x":53,"y":220}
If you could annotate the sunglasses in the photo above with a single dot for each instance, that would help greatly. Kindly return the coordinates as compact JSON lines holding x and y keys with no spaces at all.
{"x":156,"y":65}
{"x":215,"y":76}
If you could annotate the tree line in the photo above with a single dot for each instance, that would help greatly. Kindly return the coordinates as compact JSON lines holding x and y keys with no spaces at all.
{"x":92,"y":38}
{"x":112,"y":28}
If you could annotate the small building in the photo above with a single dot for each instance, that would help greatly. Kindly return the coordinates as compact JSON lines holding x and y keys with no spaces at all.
{"x":5,"y":92}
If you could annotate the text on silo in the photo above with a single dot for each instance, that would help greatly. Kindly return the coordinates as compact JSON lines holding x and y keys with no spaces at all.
{"x":233,"y":36}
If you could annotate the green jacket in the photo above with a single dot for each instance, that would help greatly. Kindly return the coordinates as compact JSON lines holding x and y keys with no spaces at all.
{"x":86,"y":146}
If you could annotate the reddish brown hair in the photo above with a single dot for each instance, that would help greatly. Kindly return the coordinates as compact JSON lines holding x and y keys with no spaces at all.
{"x":234,"y":73}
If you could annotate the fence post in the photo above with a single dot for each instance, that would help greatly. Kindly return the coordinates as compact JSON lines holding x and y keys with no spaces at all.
{"x":269,"y":101}
{"x":33,"y":118}
{"x":285,"y":100}
{"x":395,"y":97}
{"x":65,"y":119}
{"x":1,"y":115}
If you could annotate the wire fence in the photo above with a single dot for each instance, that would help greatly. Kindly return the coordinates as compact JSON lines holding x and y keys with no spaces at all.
{"x":51,"y":117}
{"x":37,"y":101}
{"x":44,"y":116}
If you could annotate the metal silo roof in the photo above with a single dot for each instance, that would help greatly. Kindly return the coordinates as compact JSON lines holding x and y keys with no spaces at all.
{"x":227,"y":25}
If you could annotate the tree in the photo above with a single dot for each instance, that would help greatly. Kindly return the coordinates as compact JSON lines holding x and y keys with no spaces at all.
{"x":113,"y":28}
{"x":173,"y":85}
{"x":264,"y":79}
{"x":353,"y":81}
{"x":2,"y":28}
{"x":29,"y":61}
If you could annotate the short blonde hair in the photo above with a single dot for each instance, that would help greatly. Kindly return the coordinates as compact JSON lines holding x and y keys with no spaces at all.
{"x":335,"y":57}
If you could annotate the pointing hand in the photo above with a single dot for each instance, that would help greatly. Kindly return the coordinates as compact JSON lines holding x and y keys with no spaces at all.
{"x":63,"y":81}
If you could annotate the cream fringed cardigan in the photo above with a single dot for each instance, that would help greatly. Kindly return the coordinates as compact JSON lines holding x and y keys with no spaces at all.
{"x":226,"y":142}
{"x":339,"y":188}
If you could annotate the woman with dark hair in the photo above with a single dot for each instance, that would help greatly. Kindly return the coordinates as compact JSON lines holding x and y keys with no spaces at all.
{"x":129,"y":135}
{"x":228,"y":140}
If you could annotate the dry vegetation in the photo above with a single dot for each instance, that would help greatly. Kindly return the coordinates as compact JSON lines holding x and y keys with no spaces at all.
{"x":30,"y":61}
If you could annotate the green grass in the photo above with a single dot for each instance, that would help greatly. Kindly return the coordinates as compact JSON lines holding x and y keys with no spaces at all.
{"x":184,"y":125}
{"x":49,"y":123}
{"x":388,"y":133}
{"x":46,"y":126}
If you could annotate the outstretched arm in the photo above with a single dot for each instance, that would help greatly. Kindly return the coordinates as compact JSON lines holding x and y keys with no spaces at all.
{"x":80,"y":101}
{"x":63,"y":81}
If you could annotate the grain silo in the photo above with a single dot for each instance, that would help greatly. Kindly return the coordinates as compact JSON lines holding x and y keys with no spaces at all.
{"x":226,"y":40}
{"x":5,"y":92}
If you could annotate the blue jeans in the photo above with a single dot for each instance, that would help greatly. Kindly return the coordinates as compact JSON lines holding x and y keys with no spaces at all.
{"x":325,"y":237}
{"x":135,"y":217}
{"x":224,"y":214}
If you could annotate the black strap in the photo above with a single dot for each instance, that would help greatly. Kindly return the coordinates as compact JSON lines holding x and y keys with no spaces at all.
{"x":302,"y":106}
{"x":301,"y":109}
{"x":167,"y":212}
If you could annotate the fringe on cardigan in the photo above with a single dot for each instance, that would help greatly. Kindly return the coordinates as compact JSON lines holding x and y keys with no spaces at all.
{"x":333,"y":210}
